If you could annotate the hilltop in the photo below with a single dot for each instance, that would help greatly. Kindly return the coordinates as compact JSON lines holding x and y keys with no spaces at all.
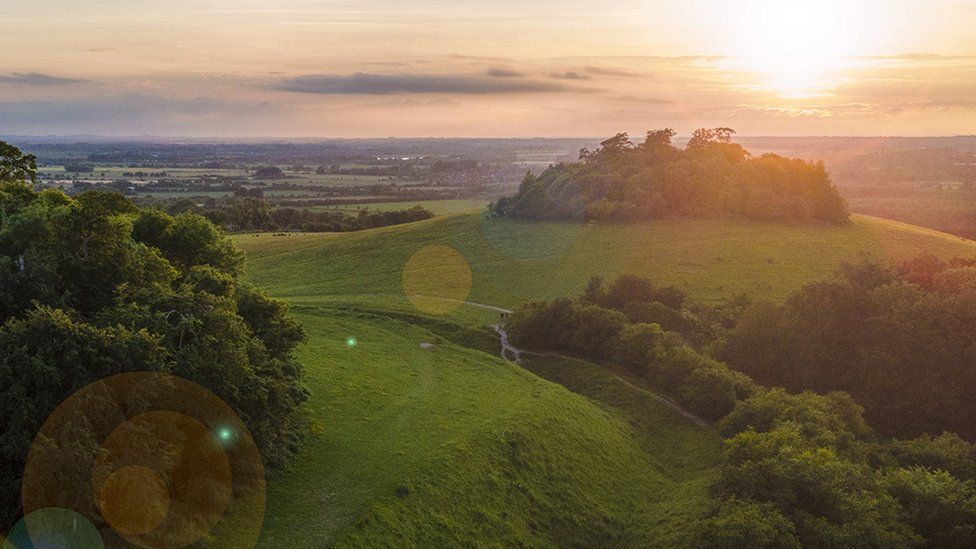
{"x":711,"y":176}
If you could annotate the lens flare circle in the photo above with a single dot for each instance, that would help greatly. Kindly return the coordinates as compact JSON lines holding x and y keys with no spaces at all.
{"x":53,"y":527}
{"x":134,"y":500}
{"x":142,"y":457}
{"x":437,"y":279}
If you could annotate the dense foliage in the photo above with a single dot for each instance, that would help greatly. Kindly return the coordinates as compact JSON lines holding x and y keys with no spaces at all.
{"x":653,"y":332}
{"x":91,"y":286}
{"x":712,"y":176}
{"x":899,"y":340}
{"x":800,"y":470}
{"x":822,"y":479}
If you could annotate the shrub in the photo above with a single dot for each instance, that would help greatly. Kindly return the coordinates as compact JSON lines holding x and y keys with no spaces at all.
{"x":596,"y":331}
{"x":833,"y":420}
{"x":739,"y":523}
{"x":946,"y":452}
{"x":712,"y":390}
{"x":639,"y":345}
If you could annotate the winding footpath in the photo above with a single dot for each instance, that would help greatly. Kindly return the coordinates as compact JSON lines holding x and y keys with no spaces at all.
{"x":512,"y":354}
{"x":509,"y":350}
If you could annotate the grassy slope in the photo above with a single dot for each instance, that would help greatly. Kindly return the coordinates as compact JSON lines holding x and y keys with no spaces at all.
{"x":513,"y":261}
{"x":448,"y":445}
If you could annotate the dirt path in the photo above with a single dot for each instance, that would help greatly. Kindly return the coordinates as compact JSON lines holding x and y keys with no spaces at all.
{"x":513,"y":354}
{"x":471,"y":303}
{"x":507,"y":348}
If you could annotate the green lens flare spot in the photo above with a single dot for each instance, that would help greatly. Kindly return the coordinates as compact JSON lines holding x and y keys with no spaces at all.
{"x":225,"y":434}
{"x":351,"y":342}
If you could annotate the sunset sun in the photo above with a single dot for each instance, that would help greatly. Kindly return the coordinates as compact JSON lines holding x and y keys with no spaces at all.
{"x":793,"y":48}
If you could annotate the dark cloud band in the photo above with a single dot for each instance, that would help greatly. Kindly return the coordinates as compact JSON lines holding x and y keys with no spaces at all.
{"x":389,"y":84}
{"x":37,"y":79}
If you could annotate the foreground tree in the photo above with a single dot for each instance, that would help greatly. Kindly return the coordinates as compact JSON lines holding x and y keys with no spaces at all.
{"x":91,"y":287}
{"x":15,"y":165}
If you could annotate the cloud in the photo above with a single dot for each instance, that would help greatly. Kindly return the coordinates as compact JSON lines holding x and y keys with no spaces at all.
{"x":480,"y":58}
{"x":604,"y":71}
{"x":569,"y":75}
{"x":505,"y":73}
{"x":37,"y":79}
{"x":124,"y":110}
{"x":389,"y":84}
{"x":385,"y":64}
{"x":917,"y":57}
{"x":919,"y":106}
{"x":645,"y":100}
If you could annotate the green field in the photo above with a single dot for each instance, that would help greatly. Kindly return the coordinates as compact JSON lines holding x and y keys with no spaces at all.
{"x":439,"y":207}
{"x":449,"y":445}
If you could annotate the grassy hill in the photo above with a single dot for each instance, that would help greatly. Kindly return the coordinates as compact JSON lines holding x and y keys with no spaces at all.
{"x":445,"y":444}
{"x":514,"y":261}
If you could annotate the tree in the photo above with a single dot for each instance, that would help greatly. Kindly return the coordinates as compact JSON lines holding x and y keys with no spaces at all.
{"x":15,"y":165}
{"x":91,"y":286}
{"x":899,"y":341}
{"x":268,"y":172}
{"x":658,"y":139}
{"x":940,"y":507}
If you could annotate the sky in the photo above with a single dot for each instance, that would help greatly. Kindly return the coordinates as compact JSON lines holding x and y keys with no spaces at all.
{"x":486,"y":68}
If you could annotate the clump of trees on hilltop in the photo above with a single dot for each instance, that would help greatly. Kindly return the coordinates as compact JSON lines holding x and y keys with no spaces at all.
{"x":800,"y":470}
{"x":92,"y":286}
{"x":711,"y":176}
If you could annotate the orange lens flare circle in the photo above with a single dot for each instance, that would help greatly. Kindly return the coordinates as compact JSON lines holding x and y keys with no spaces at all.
{"x":151,"y":460}
{"x":437,"y":279}
{"x":134,"y":500}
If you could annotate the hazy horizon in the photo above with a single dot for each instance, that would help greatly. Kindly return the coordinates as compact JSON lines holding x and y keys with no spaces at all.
{"x":286,"y":69}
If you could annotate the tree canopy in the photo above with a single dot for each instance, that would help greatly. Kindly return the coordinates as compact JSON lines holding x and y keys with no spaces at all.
{"x":899,"y":340}
{"x":800,"y":469}
{"x":92,"y":286}
{"x":711,"y":176}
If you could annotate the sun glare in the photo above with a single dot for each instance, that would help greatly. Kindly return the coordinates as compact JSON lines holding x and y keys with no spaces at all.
{"x":795,"y":46}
